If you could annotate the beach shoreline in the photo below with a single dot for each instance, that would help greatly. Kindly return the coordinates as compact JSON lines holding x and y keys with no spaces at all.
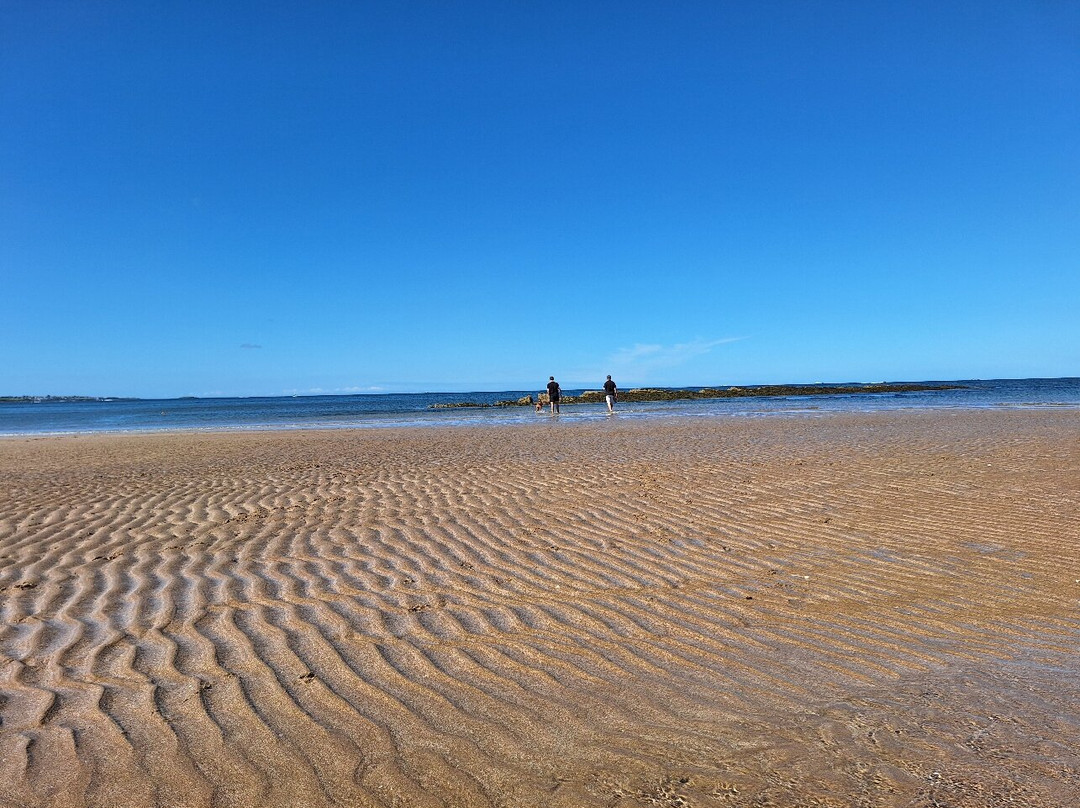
{"x":867,"y":609}
{"x":406,"y":410}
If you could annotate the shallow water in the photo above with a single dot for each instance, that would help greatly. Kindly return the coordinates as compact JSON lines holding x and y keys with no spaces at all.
{"x":415,"y":409}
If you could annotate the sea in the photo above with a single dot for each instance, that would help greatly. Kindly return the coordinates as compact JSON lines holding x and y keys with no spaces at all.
{"x":64,"y":417}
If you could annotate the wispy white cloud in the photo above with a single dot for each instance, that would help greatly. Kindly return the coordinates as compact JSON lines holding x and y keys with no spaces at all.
{"x":330,"y":391}
{"x":646,"y":362}
{"x":666,"y":356}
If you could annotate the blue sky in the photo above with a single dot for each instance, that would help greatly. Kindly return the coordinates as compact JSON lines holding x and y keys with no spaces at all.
{"x":228,"y":198}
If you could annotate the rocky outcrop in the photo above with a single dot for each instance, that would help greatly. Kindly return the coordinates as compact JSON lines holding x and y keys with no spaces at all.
{"x":669,"y":394}
{"x":524,"y":401}
{"x":774,"y":390}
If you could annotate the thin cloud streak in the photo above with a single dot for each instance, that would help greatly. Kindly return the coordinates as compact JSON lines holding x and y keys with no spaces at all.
{"x":333,"y":391}
{"x":642,"y":361}
{"x":665,"y":356}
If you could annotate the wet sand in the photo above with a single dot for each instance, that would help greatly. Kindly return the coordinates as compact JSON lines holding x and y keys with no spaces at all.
{"x":864,"y":610}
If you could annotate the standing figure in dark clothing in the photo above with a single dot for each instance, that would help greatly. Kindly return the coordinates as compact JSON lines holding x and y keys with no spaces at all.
{"x":611,"y":394}
{"x":553,"y":394}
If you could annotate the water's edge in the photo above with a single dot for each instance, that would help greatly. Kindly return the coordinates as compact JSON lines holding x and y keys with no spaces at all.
{"x":63,"y":417}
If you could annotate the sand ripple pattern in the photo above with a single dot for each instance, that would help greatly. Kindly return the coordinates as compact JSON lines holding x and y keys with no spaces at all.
{"x":874,"y":610}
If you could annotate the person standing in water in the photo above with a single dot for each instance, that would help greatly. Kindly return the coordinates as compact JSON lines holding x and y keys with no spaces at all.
{"x":611,"y":394}
{"x":553,"y":394}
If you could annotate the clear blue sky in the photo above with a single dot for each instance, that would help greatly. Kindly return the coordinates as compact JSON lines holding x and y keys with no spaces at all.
{"x":221,"y":198}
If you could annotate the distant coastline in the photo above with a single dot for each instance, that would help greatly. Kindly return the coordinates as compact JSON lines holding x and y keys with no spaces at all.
{"x":60,"y":399}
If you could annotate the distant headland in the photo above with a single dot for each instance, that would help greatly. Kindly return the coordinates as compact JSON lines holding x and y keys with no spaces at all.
{"x":683,"y":394}
{"x":59,"y":399}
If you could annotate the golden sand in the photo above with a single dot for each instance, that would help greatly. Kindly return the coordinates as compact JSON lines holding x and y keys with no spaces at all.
{"x":865,"y":610}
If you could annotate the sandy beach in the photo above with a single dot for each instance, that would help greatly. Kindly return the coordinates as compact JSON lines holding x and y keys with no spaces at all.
{"x":851,"y":610}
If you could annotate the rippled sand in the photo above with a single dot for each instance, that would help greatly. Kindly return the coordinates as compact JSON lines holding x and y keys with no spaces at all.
{"x":876,"y":610}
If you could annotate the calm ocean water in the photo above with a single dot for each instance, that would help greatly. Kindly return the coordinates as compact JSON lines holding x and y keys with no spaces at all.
{"x":414,"y":409}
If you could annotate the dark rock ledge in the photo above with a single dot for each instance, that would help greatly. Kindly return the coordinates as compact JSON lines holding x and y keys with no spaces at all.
{"x":667,"y":394}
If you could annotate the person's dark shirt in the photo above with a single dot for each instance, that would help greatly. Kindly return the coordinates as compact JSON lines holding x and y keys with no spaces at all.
{"x":553,"y":390}
{"x":609,"y":387}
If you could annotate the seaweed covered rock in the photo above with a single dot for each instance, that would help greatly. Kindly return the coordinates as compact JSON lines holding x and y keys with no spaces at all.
{"x":683,"y":394}
{"x":588,"y":397}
